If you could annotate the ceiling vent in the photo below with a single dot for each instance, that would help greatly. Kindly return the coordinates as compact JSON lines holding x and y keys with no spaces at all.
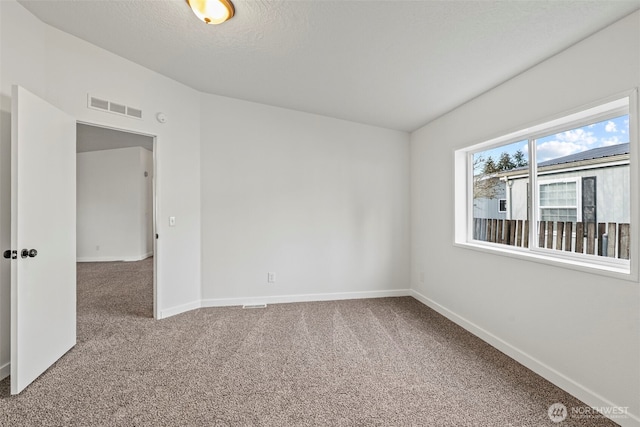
{"x":101,"y":104}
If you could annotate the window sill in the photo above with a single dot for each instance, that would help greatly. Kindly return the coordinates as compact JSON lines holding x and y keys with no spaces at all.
{"x":613,"y":271}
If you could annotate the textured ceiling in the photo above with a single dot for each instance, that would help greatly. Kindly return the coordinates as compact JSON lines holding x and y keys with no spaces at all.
{"x":395,"y":64}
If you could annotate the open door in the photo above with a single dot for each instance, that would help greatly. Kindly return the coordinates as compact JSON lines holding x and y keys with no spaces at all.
{"x":43,"y":236}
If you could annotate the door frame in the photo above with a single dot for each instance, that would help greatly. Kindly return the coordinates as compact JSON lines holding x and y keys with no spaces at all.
{"x":154,"y":195}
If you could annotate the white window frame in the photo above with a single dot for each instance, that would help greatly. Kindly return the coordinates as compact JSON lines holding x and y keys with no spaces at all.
{"x":621,"y":104}
{"x":578,"y":206}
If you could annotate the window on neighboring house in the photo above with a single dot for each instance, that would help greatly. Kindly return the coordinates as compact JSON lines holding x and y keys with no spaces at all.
{"x":570,"y":163}
{"x":559,"y":200}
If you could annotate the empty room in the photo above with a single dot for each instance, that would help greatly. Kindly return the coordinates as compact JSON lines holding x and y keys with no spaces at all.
{"x":390,"y":213}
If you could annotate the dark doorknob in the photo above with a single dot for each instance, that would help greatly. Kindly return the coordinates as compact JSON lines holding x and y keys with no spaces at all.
{"x":28,"y":253}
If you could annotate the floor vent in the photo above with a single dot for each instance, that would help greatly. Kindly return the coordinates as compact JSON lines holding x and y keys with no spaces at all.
{"x":254,"y":306}
{"x":101,"y":104}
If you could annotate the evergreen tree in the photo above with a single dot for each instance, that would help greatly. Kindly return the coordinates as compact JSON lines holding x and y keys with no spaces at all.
{"x":519,"y":160}
{"x":489,"y":166}
{"x":484,"y":185}
{"x":505,"y":163}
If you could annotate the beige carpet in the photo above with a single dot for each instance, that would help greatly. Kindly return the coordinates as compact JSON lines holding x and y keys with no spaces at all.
{"x":378,"y":362}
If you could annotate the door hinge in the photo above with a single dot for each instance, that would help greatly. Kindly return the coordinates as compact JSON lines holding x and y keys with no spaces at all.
{"x":10,"y":254}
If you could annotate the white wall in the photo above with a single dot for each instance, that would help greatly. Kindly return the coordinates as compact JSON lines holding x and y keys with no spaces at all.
{"x":323,"y":203}
{"x":63,"y":69}
{"x":580,"y":330}
{"x":112,"y":205}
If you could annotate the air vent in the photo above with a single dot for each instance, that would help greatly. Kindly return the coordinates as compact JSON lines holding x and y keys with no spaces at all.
{"x":98,"y":103}
{"x":254,"y":306}
{"x":117,"y":108}
{"x":134,"y":112}
{"x":113,"y":107}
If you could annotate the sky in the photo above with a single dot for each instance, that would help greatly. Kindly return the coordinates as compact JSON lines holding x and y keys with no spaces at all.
{"x":608,"y":132}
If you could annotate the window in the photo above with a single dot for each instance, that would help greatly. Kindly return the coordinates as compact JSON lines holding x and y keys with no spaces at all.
{"x":559,"y":201}
{"x":534,"y":192}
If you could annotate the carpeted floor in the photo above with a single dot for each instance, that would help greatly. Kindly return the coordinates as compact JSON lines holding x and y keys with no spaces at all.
{"x":377,"y":362}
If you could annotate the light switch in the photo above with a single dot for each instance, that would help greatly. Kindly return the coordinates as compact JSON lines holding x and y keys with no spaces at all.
{"x":172,"y":221}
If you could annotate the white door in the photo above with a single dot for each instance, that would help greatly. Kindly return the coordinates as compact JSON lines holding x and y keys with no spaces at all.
{"x":43,"y":219}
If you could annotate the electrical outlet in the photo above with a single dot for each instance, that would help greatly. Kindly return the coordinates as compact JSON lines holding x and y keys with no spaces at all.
{"x":271,"y":277}
{"x":172,"y":221}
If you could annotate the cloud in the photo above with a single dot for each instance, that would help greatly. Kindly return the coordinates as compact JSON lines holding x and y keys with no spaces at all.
{"x":610,"y":127}
{"x":601,"y":134}
{"x":606,"y":142}
{"x":553,"y":149}
{"x":578,"y":136}
{"x":566,"y":143}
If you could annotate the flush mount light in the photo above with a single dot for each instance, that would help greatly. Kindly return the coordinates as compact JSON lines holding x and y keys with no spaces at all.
{"x":212,"y":11}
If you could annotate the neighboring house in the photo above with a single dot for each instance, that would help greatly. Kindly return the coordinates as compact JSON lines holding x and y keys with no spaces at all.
{"x":490,"y":200}
{"x":590,"y":186}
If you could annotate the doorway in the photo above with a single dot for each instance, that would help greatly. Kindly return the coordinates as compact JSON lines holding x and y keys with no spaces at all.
{"x":115,"y":231}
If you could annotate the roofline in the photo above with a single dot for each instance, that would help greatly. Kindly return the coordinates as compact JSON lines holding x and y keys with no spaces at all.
{"x":601,"y":162}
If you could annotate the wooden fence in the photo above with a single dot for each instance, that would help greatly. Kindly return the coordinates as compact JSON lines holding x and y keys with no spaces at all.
{"x":604,"y":239}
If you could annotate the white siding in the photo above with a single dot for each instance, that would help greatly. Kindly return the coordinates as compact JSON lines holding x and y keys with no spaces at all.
{"x":612,"y":193}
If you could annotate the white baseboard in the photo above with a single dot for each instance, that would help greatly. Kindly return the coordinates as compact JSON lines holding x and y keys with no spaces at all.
{"x":5,"y":370}
{"x":559,"y":379}
{"x":281,"y":299}
{"x":114,"y":258}
{"x":172,"y":311}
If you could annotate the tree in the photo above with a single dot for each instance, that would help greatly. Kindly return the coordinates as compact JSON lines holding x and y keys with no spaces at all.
{"x":519,"y":159}
{"x":505,"y":163}
{"x":489,"y":167}
{"x":484,"y":184}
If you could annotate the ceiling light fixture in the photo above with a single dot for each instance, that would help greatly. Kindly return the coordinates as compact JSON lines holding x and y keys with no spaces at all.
{"x":212,"y":11}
